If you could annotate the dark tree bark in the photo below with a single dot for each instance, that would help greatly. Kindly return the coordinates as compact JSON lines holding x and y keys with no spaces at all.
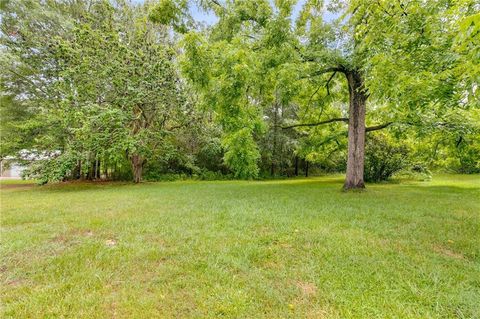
{"x":296,"y":165}
{"x":97,"y":173}
{"x":91,"y":172}
{"x":274,"y":146}
{"x":306,"y":168}
{"x":356,"y":131}
{"x":339,"y":119}
{"x":137,"y":167}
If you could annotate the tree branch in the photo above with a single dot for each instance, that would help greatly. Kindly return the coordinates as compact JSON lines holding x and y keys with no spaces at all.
{"x":384,"y":10}
{"x":327,"y":70}
{"x":328,"y":82}
{"x":29,"y":80}
{"x":311,"y":98}
{"x":338,"y":119}
{"x":378,"y":127}
{"x":217,"y":3}
{"x":303,"y":56}
{"x":404,"y":8}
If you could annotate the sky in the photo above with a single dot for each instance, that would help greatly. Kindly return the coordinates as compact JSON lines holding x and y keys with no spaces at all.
{"x":210,"y":18}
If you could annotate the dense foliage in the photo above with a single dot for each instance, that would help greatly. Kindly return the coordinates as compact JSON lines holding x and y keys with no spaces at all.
{"x":112,"y":89}
{"x":383,"y":158}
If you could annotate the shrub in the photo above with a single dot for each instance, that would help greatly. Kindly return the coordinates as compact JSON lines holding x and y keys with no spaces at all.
{"x":417,"y":171}
{"x":383,"y":158}
{"x":467,"y":159}
{"x":241,"y":154}
{"x":54,"y":169}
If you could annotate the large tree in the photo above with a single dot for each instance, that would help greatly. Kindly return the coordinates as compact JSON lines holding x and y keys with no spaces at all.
{"x":99,"y":80}
{"x":401,"y":57}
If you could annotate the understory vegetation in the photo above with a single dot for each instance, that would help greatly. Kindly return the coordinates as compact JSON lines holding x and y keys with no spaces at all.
{"x":295,"y":248}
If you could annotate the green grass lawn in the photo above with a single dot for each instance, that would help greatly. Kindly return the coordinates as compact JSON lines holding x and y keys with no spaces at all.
{"x":274,"y":249}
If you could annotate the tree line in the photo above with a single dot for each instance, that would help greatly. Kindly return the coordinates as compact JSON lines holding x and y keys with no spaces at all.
{"x":120,"y":90}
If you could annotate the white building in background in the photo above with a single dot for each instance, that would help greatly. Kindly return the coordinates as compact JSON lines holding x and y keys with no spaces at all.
{"x":11,"y":167}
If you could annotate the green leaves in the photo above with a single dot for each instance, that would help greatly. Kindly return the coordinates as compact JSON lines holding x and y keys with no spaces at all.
{"x":467,"y":45}
{"x":170,"y":13}
{"x":103,"y":78}
{"x":113,"y":75}
{"x":241,"y":154}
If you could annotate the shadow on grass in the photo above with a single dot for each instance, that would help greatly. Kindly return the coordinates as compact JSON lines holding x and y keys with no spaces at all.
{"x":78,"y":186}
{"x":334,"y":183}
{"x":443,"y":189}
{"x":17,"y":186}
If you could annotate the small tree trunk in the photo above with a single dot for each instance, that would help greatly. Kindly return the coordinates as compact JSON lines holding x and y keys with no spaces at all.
{"x":80,"y":170}
{"x":296,"y":165}
{"x":137,"y":167}
{"x":90,"y":172}
{"x":105,"y":170}
{"x":99,"y":169}
{"x":275,"y":132}
{"x":306,"y":168}
{"x":356,"y":132}
{"x":95,"y":174}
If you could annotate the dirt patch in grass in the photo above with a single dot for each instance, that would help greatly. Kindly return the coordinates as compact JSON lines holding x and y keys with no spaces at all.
{"x":16,"y":283}
{"x":16,"y":186}
{"x":308,"y":289}
{"x":448,"y":252}
{"x":71,"y":235}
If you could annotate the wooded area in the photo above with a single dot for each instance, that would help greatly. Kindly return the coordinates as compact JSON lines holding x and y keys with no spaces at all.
{"x":141,"y":90}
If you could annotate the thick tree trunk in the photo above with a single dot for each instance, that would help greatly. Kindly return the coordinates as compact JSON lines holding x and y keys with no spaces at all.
{"x":356,"y":132}
{"x":137,"y":166}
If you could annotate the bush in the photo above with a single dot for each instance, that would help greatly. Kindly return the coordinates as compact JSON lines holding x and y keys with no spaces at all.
{"x":467,"y":157}
{"x":54,"y":169}
{"x":417,"y":171}
{"x":210,"y":156}
{"x":242,"y":154}
{"x":383,"y":158}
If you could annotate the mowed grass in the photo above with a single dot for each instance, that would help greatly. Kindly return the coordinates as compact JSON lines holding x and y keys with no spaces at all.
{"x":235,"y":249}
